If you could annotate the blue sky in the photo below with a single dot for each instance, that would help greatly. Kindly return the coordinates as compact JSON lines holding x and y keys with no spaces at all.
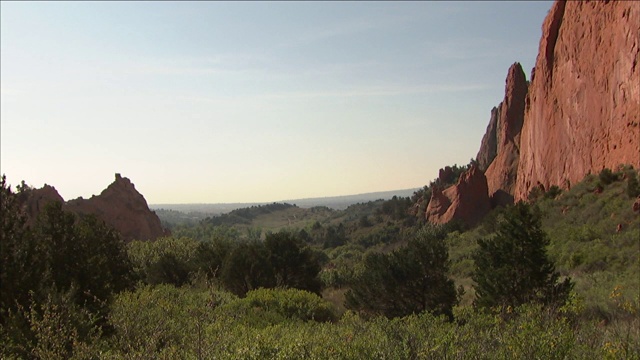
{"x":207,"y":102}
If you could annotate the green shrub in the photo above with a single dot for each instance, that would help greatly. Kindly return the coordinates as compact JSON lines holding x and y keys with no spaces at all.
{"x":633,"y":186}
{"x":606,"y":176}
{"x":271,"y":306}
{"x":553,"y":192}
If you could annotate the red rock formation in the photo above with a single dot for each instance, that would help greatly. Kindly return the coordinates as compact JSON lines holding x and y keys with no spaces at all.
{"x":37,"y":199}
{"x":489,"y":144}
{"x":583,"y":107}
{"x":121,"y":206}
{"x":438,"y":206}
{"x":467,"y":200}
{"x":502,"y":172}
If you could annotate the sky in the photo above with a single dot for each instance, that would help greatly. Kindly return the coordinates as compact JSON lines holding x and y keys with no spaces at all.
{"x":224,"y":102}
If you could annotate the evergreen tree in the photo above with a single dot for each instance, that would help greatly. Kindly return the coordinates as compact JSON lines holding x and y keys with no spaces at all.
{"x":512,"y":267}
{"x":20,"y":270}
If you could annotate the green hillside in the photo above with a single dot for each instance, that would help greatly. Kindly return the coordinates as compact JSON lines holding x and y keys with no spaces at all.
{"x":371,"y":281}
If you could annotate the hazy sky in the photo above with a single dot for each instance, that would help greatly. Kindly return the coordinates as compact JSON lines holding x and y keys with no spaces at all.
{"x":252,"y":101}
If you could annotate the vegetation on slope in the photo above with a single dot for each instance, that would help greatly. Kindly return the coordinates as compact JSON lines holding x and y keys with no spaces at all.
{"x":251,"y":291}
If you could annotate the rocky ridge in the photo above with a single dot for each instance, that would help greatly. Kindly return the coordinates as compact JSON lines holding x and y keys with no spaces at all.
{"x":579,"y":114}
{"x":120,"y":206}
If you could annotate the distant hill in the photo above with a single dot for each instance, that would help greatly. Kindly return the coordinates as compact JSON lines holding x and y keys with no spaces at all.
{"x":333,"y":202}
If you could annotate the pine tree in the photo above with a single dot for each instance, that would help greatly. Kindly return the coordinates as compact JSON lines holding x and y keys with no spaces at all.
{"x":512,"y":268}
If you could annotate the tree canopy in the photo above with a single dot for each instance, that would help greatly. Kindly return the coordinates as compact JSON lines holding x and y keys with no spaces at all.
{"x":512,"y":267}
{"x":409,"y":280}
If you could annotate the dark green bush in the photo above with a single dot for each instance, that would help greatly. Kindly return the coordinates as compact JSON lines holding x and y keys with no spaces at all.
{"x":606,"y":176}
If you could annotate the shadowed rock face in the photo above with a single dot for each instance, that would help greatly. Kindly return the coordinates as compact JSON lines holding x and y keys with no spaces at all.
{"x":466,"y":201}
{"x":583,"y":107}
{"x":37,"y":199}
{"x":489,"y":144}
{"x":120,"y":206}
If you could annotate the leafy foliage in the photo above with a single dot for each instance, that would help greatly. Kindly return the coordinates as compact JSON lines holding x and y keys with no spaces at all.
{"x":80,"y":260}
{"x":400,"y":283}
{"x":408,"y":280}
{"x":633,"y":186}
{"x":294,"y":265}
{"x":281,"y":260}
{"x":282,"y":304}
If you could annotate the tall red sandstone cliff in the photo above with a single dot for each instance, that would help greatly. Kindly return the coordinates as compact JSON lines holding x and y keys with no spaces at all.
{"x":120,"y":206}
{"x":583,"y":109}
{"x":502,"y":172}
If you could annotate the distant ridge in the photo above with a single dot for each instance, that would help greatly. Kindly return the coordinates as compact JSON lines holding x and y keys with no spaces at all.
{"x":334,"y":202}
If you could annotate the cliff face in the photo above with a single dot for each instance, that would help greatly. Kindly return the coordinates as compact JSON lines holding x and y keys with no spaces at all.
{"x":121,"y":206}
{"x":502,"y":172}
{"x":583,"y":108}
{"x":467,"y":200}
{"x":579,"y":115}
{"x":489,"y":144}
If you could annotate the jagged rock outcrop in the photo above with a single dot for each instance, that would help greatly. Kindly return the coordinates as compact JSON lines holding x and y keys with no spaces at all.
{"x":489,"y":143}
{"x":502,"y":172}
{"x":583,"y":108}
{"x":467,"y":200}
{"x":36,"y":199}
{"x":121,"y":206}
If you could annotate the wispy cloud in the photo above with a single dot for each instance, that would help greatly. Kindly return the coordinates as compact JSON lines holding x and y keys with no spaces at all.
{"x":370,"y":91}
{"x":213,"y":65}
{"x":345,"y":28}
{"x":363,"y":91}
{"x":461,"y":48}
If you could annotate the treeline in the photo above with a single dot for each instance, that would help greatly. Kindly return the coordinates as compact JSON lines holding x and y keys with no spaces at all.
{"x":245,"y":215}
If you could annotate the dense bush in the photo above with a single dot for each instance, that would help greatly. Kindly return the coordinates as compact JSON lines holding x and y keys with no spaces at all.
{"x":409,"y":280}
{"x":606,"y":176}
{"x":166,"y":322}
{"x":271,"y":306}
